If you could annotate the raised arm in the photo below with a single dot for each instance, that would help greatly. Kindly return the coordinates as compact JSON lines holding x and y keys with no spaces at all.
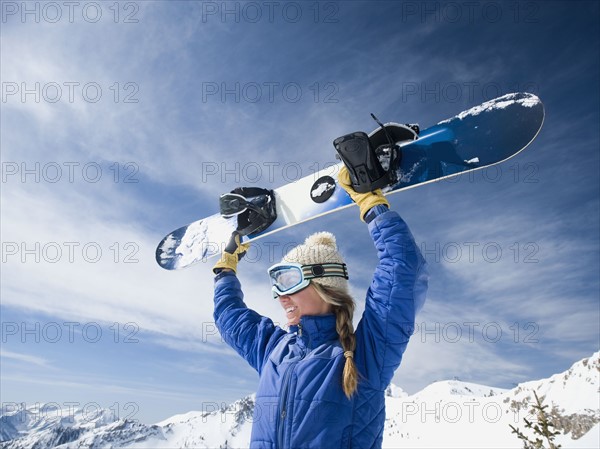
{"x":250,"y":334}
{"x":397,"y":291}
{"x":396,"y":294}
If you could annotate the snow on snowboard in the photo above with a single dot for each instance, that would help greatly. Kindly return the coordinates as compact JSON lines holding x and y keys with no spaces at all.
{"x":479,"y":137}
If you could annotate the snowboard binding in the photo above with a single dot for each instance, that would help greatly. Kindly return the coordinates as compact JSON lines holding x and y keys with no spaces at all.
{"x":254,"y":207}
{"x":364,"y":163}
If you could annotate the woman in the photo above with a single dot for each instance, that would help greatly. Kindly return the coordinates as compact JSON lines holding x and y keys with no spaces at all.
{"x":321,"y":384}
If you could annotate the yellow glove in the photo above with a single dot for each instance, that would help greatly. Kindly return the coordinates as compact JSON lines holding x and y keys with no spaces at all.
{"x":232,"y":254}
{"x":365,"y":201}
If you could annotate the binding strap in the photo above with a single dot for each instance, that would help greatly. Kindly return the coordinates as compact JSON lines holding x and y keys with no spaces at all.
{"x":254,"y":206}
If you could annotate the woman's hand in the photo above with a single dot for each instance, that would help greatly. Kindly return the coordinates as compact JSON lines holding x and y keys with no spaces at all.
{"x":232,"y":254}
{"x":365,"y":201}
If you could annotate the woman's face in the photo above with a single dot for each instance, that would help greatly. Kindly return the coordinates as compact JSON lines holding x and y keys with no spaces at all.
{"x":304,"y":302}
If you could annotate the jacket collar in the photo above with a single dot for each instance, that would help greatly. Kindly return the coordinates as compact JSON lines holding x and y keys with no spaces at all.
{"x":315,"y":330}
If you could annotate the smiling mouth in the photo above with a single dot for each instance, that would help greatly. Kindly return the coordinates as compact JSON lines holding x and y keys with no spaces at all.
{"x":291,"y":309}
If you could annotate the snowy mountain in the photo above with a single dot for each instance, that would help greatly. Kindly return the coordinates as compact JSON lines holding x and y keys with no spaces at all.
{"x":448,"y":414}
{"x":45,"y":426}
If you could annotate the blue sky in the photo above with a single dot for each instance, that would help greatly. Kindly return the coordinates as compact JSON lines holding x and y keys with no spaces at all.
{"x":120,"y":124}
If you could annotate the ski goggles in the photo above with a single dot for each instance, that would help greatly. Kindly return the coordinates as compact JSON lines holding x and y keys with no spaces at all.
{"x":289,"y":278}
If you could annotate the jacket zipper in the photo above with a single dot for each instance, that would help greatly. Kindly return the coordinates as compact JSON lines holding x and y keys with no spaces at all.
{"x":283,"y":404}
{"x":283,"y":400}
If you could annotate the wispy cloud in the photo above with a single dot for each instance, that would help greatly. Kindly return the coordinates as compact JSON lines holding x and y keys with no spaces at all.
{"x":25,"y":358}
{"x":101,"y":384}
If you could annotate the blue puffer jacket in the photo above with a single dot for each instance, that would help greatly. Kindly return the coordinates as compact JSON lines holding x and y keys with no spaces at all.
{"x":300,"y":402}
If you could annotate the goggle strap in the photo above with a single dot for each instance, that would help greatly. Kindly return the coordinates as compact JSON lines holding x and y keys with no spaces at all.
{"x":328,"y":270}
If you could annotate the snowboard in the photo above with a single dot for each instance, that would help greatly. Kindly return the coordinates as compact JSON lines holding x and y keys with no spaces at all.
{"x":484,"y":135}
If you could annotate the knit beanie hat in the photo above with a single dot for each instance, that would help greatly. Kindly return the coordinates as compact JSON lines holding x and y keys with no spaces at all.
{"x":318,"y":248}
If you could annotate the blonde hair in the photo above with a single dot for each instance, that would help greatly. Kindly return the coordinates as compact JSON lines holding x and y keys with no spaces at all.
{"x":343,"y":308}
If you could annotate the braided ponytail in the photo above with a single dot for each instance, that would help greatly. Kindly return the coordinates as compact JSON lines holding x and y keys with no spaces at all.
{"x":343,"y":307}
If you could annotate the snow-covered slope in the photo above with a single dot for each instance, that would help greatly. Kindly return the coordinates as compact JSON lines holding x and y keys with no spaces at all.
{"x":448,"y":414}
{"x":454,"y":414}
